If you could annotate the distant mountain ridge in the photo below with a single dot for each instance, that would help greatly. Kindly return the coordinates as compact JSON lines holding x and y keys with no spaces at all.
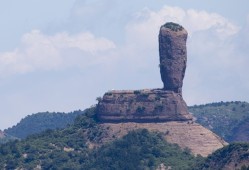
{"x":232,"y":157}
{"x":229,"y":120}
{"x":39,"y":122}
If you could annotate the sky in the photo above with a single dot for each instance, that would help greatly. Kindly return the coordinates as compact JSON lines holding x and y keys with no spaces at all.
{"x":59,"y":56}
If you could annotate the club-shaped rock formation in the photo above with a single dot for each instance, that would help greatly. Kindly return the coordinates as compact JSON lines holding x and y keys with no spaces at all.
{"x":154,"y":105}
{"x":173,"y":56}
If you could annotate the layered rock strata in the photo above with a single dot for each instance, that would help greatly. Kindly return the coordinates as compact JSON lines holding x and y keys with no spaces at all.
{"x":154,"y":105}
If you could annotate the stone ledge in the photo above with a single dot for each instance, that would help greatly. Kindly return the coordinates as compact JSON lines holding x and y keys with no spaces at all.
{"x":147,"y":105}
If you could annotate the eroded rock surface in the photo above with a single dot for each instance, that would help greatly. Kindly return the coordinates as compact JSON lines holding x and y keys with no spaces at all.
{"x":152,"y":105}
{"x":173,"y":56}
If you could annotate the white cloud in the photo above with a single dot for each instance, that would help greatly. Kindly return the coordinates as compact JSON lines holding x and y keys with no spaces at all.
{"x":147,"y":22}
{"x":217,"y":63}
{"x":38,"y":51}
{"x":202,"y":20}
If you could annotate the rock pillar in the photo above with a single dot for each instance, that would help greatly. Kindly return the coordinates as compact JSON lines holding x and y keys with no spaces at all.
{"x":173,"y":56}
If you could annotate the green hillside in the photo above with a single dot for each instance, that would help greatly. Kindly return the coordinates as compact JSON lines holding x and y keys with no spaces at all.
{"x":69,"y":148}
{"x":234,"y":156}
{"x":39,"y":122}
{"x":230,"y":120}
{"x":79,"y":146}
{"x":5,"y":137}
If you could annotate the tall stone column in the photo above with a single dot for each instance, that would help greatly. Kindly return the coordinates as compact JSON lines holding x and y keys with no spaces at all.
{"x":173,"y":56}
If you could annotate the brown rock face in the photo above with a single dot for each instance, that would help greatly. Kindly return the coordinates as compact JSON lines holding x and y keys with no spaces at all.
{"x":173,"y":56}
{"x":154,"y":105}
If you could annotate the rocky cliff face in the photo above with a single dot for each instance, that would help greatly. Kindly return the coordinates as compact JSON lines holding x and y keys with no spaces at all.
{"x":154,"y":105}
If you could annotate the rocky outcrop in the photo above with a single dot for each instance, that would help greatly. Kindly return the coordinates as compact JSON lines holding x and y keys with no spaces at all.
{"x":162,"y":110}
{"x":154,"y":105}
{"x":173,"y":56}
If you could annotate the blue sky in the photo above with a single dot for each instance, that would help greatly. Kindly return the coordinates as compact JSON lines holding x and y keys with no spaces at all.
{"x":61,"y":55}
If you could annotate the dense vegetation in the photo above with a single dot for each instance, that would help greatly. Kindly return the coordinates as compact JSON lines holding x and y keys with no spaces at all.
{"x":233,"y":156}
{"x":68,"y":148}
{"x":142,"y":150}
{"x":39,"y":122}
{"x":173,"y":26}
{"x":227,"y":119}
{"x":52,"y":149}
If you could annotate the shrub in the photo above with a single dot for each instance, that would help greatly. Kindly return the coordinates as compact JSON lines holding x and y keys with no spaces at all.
{"x":173,"y":26}
{"x":140,"y":109}
{"x":137,"y":92}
